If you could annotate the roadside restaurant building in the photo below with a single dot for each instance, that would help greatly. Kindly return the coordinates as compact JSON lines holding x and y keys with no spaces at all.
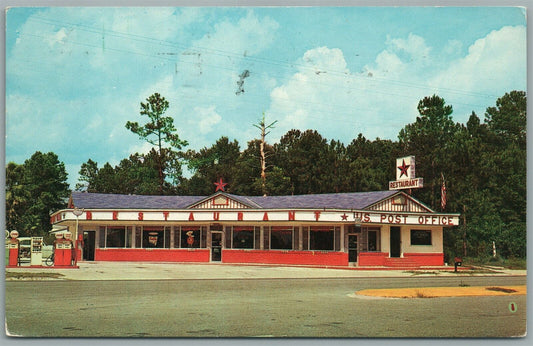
{"x":365,"y":229}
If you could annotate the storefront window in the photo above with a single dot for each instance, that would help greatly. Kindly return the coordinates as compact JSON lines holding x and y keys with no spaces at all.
{"x":190,"y":237}
{"x":128,"y":236}
{"x":154,"y":237}
{"x":101,"y":237}
{"x":281,"y":238}
{"x":177,"y":237}
{"x":373,"y":241}
{"x":321,"y":238}
{"x":116,"y":237}
{"x":420,"y":237}
{"x":138,"y":237}
{"x":243,"y":238}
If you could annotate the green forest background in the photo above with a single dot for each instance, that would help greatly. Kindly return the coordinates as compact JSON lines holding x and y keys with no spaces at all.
{"x":483,"y":163}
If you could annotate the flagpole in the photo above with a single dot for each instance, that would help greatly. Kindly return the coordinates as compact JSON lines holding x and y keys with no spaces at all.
{"x":443,"y":193}
{"x":464,"y":230}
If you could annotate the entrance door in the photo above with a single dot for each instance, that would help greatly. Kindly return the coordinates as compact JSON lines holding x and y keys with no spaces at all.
{"x":89,"y":245}
{"x":216,"y":247}
{"x":352,"y":248}
{"x":395,"y":242}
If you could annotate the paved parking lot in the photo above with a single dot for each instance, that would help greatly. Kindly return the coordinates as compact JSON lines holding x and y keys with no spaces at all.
{"x":134,"y":299}
{"x":310,"y":307}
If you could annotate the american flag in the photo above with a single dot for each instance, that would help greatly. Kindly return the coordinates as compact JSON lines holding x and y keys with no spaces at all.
{"x":443,"y":194}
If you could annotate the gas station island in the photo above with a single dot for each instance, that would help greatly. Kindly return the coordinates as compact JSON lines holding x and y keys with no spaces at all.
{"x":63,"y":251}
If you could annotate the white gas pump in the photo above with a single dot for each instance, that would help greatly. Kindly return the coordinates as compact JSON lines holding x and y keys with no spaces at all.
{"x":36,"y":251}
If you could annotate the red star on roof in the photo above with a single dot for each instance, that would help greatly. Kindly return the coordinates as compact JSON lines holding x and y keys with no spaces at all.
{"x":403,"y":168}
{"x":344,"y":217}
{"x":220,"y":185}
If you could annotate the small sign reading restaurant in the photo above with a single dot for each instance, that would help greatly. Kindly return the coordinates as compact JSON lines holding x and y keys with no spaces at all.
{"x":406,"y":184}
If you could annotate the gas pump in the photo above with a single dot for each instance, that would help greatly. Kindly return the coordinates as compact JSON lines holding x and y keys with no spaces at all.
{"x":62,"y":249}
{"x":13,"y":248}
{"x":36,"y":249}
{"x":78,"y":249}
{"x":70,"y":254}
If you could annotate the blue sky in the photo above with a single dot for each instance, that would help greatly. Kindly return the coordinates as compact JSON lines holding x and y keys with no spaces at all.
{"x":75,"y":76}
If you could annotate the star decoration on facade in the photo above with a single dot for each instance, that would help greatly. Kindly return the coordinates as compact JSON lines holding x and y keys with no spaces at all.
{"x":220,"y":185}
{"x":344,"y":217}
{"x":403,"y":168}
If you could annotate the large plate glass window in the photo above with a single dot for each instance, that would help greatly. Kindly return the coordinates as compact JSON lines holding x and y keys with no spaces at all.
{"x":116,"y":237}
{"x":373,"y":240}
{"x":243,"y":237}
{"x":281,"y":238}
{"x":321,"y":238}
{"x":190,"y":237}
{"x":155,"y":237}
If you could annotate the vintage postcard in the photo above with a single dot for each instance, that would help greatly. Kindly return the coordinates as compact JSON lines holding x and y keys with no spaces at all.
{"x":265,"y":171}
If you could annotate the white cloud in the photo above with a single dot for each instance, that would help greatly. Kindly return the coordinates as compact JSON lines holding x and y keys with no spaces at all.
{"x":206,"y":118}
{"x":387,"y":64}
{"x":59,"y":37}
{"x":141,"y":148}
{"x":402,"y":57}
{"x":453,"y":48}
{"x":407,"y":70}
{"x":323,"y":91}
{"x":326,"y":96}
{"x":249,"y":36}
{"x":324,"y":58}
{"x":164,"y":86}
{"x":414,"y":46}
{"x":496,"y":61}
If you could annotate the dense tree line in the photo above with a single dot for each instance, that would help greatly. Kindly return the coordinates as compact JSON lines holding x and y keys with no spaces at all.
{"x":33,"y":190}
{"x":483,"y":164}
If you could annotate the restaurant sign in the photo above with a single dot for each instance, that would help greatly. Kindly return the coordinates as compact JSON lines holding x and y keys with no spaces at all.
{"x":405,"y":175}
{"x":305,"y":216}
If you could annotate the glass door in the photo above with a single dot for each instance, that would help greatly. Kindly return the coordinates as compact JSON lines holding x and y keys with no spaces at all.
{"x":352,"y":247}
{"x":216,"y":247}
{"x":89,"y":245}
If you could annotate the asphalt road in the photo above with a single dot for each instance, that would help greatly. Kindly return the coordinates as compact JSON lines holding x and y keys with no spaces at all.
{"x":257,"y":307}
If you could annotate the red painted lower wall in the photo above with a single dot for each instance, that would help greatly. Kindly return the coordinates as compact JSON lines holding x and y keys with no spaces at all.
{"x":152,"y":255}
{"x":426,"y":259}
{"x":368,"y":259}
{"x":285,"y":257}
